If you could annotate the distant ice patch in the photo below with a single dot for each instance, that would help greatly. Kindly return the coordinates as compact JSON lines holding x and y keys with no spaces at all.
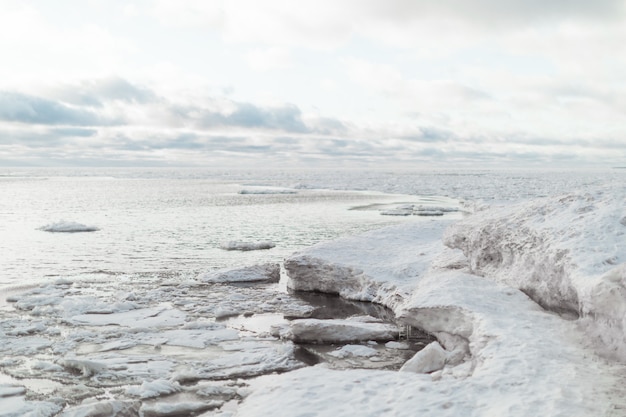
{"x":63,"y":226}
{"x":268,"y":190}
{"x":246,"y":246}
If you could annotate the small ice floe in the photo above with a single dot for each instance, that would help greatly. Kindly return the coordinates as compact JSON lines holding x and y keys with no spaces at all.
{"x":337,"y":331}
{"x":63,"y":226}
{"x":258,"y":273}
{"x":396,"y":212}
{"x":246,"y":246}
{"x":428,"y":213}
{"x":268,"y":190}
{"x":164,"y":409}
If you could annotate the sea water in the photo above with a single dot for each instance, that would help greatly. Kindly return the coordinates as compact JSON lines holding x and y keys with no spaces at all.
{"x":166,"y":222}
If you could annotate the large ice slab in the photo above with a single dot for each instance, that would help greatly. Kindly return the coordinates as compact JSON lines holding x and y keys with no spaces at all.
{"x":381,"y":266}
{"x":338,"y":331}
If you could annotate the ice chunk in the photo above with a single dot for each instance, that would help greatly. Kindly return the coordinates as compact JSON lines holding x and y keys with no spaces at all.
{"x":338,"y":331}
{"x":266,"y":273}
{"x":104,"y":409}
{"x":247,"y":246}
{"x":167,"y":409}
{"x":85,"y":367}
{"x":431,"y":358}
{"x":63,"y":226}
{"x":11,"y":390}
{"x":154,"y":389}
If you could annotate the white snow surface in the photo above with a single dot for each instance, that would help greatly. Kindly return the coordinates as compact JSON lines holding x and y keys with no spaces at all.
{"x":63,"y":226}
{"x":504,"y":354}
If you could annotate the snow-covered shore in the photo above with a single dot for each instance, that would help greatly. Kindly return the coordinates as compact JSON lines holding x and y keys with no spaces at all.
{"x":505,"y":354}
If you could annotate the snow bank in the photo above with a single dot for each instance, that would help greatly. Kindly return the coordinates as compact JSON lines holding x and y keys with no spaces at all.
{"x":246,"y":246}
{"x":256,"y":273}
{"x":567,"y":253}
{"x":63,"y":226}
{"x":503,"y":354}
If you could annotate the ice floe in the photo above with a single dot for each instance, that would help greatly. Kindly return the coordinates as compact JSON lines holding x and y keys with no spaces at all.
{"x":337,"y":331}
{"x":64,"y":226}
{"x":247,"y":246}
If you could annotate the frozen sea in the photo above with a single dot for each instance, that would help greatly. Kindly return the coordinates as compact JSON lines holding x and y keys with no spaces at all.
{"x":110,"y":307}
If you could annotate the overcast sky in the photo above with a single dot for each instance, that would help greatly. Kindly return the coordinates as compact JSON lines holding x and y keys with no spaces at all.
{"x":364,"y":83}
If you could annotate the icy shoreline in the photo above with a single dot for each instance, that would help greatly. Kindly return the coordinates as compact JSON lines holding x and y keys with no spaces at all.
{"x":504,"y":353}
{"x":527,"y":303}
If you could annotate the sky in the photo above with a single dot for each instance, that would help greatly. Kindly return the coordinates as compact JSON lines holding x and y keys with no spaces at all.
{"x":324,"y":83}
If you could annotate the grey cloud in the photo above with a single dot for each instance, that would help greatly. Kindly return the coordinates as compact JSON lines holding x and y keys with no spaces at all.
{"x":429,"y":135}
{"x":94,"y":93}
{"x":74,"y":131}
{"x":497,"y":12}
{"x":287,"y":118}
{"x":23,"y":108}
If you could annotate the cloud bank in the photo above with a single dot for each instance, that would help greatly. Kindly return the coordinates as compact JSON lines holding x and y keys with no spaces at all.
{"x":350,"y":83}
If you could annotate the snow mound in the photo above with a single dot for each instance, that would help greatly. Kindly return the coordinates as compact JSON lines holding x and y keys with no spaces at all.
{"x":246,"y":246}
{"x":256,"y":273}
{"x":567,"y":253}
{"x":63,"y":226}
